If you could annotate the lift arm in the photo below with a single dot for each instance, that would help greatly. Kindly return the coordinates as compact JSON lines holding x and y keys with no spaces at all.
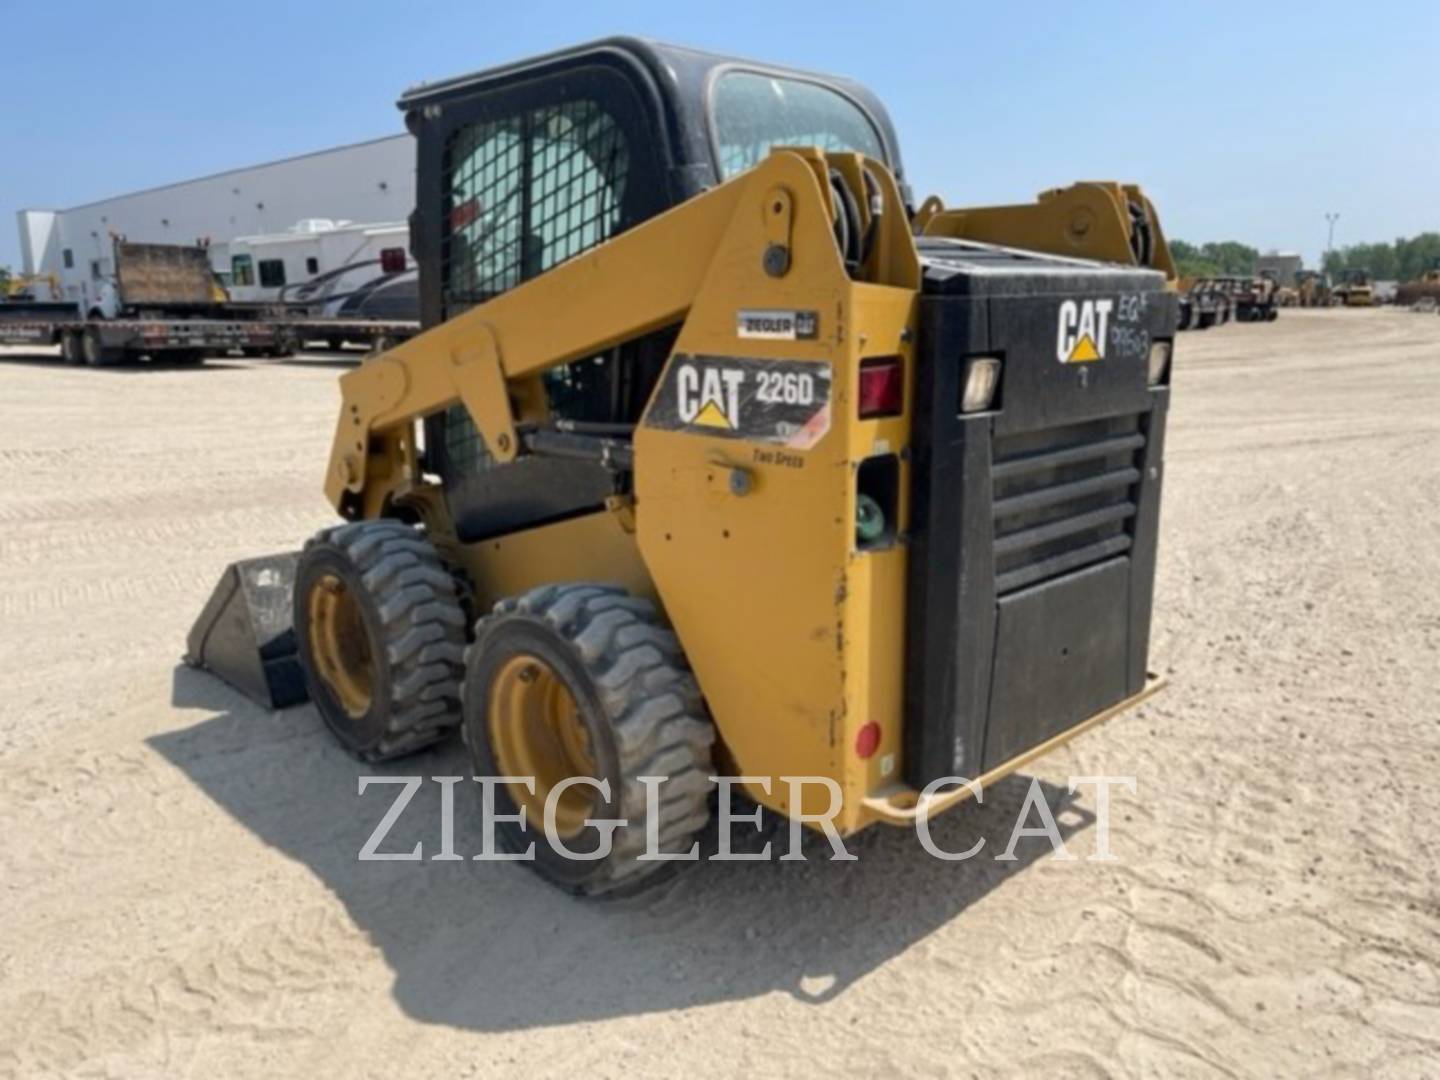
{"x":490,"y":357}
{"x":1100,"y":220}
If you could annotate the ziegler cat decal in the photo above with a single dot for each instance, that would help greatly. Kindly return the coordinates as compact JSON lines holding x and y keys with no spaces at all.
{"x":777,"y":325}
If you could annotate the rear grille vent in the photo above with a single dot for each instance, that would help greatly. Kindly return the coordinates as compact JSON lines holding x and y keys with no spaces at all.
{"x":1064,"y":498}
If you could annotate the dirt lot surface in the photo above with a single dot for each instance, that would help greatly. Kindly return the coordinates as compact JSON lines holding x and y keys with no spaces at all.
{"x":180,"y":893}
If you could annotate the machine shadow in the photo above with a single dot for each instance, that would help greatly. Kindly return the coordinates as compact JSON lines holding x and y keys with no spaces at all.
{"x":490,"y":947}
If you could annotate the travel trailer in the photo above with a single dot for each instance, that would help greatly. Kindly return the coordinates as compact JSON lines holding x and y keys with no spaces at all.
{"x":324,"y":269}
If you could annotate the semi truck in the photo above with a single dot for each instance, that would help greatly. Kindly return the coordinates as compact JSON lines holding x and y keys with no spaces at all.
{"x":163,"y":301}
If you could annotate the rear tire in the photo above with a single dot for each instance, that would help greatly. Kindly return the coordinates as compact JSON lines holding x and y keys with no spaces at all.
{"x":380,"y":636}
{"x":285,"y":347}
{"x":95,"y":351}
{"x":628,"y":707}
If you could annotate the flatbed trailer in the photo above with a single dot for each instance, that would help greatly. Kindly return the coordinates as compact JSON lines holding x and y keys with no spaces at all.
{"x":378,"y":334}
{"x":107,"y":341}
{"x":99,"y":342}
{"x":162,"y":302}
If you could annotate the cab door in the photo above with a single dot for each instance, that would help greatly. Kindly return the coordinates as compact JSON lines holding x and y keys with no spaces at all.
{"x":515,"y":177}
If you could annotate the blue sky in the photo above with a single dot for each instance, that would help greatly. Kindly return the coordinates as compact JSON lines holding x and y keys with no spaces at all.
{"x":1244,"y":121}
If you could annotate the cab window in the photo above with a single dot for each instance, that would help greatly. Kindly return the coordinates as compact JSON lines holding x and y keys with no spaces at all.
{"x":242,"y":270}
{"x":753,"y":112}
{"x":527,"y":191}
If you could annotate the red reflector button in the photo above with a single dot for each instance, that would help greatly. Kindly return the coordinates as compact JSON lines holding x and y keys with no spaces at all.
{"x":867,"y":739}
{"x":882,"y":387}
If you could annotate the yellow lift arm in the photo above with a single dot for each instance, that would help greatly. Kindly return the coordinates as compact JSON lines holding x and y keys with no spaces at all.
{"x":1099,"y":220}
{"x":489,"y":358}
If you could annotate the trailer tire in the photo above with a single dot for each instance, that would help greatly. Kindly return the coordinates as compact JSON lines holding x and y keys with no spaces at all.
{"x":380,"y":636}
{"x":96,"y":352}
{"x":580,"y":679}
{"x":187,"y":357}
{"x":70,"y":348}
{"x":286,"y":346}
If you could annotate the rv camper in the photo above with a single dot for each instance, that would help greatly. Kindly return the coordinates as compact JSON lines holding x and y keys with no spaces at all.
{"x":322,"y":269}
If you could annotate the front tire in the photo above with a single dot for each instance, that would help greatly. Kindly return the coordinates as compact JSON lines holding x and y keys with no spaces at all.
{"x":380,"y":636}
{"x":580,"y":680}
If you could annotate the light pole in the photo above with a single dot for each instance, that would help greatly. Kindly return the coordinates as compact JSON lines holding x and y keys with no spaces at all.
{"x":1329,"y":240}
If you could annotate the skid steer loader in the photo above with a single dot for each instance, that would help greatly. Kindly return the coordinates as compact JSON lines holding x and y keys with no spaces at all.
{"x":707,"y":464}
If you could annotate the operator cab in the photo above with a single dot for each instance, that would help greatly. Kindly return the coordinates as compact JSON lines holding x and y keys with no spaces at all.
{"x":525,"y":166}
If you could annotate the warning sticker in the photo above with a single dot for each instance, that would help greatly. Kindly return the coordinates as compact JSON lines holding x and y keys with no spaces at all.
{"x":784,"y":402}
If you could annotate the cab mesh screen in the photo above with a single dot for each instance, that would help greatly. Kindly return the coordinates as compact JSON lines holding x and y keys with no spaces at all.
{"x":522,"y":194}
{"x":526,"y":192}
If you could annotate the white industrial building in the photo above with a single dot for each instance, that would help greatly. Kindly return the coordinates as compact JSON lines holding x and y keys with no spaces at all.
{"x":366,"y":182}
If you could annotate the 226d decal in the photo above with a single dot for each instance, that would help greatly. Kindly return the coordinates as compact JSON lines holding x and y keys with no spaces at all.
{"x":784,"y":402}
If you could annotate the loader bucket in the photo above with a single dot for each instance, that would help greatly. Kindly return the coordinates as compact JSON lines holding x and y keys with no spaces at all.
{"x":245,"y":633}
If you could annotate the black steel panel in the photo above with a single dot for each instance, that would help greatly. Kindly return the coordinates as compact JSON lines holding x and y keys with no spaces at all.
{"x":1145,"y":531}
{"x":951,"y":586}
{"x":1061,"y":654}
{"x":529,"y":491}
{"x":1047,"y":393}
{"x":1032,"y":548}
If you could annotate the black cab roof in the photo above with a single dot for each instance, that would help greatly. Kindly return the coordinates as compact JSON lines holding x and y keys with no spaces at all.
{"x":678,"y":81}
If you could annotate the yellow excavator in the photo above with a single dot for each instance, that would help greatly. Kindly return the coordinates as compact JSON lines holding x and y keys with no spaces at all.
{"x":715,"y":459}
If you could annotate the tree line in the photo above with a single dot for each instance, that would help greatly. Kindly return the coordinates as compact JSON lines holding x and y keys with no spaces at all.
{"x":1404,"y":260}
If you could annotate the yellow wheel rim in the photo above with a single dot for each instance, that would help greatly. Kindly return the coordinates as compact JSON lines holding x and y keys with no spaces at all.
{"x":536,"y":730}
{"x":339,"y":645}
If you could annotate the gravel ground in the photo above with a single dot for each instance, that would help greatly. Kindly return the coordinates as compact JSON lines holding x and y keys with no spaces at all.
{"x":178,"y":880}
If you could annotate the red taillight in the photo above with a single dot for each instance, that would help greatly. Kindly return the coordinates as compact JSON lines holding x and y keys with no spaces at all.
{"x":392,"y":260}
{"x":867,"y":739}
{"x":882,"y":387}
